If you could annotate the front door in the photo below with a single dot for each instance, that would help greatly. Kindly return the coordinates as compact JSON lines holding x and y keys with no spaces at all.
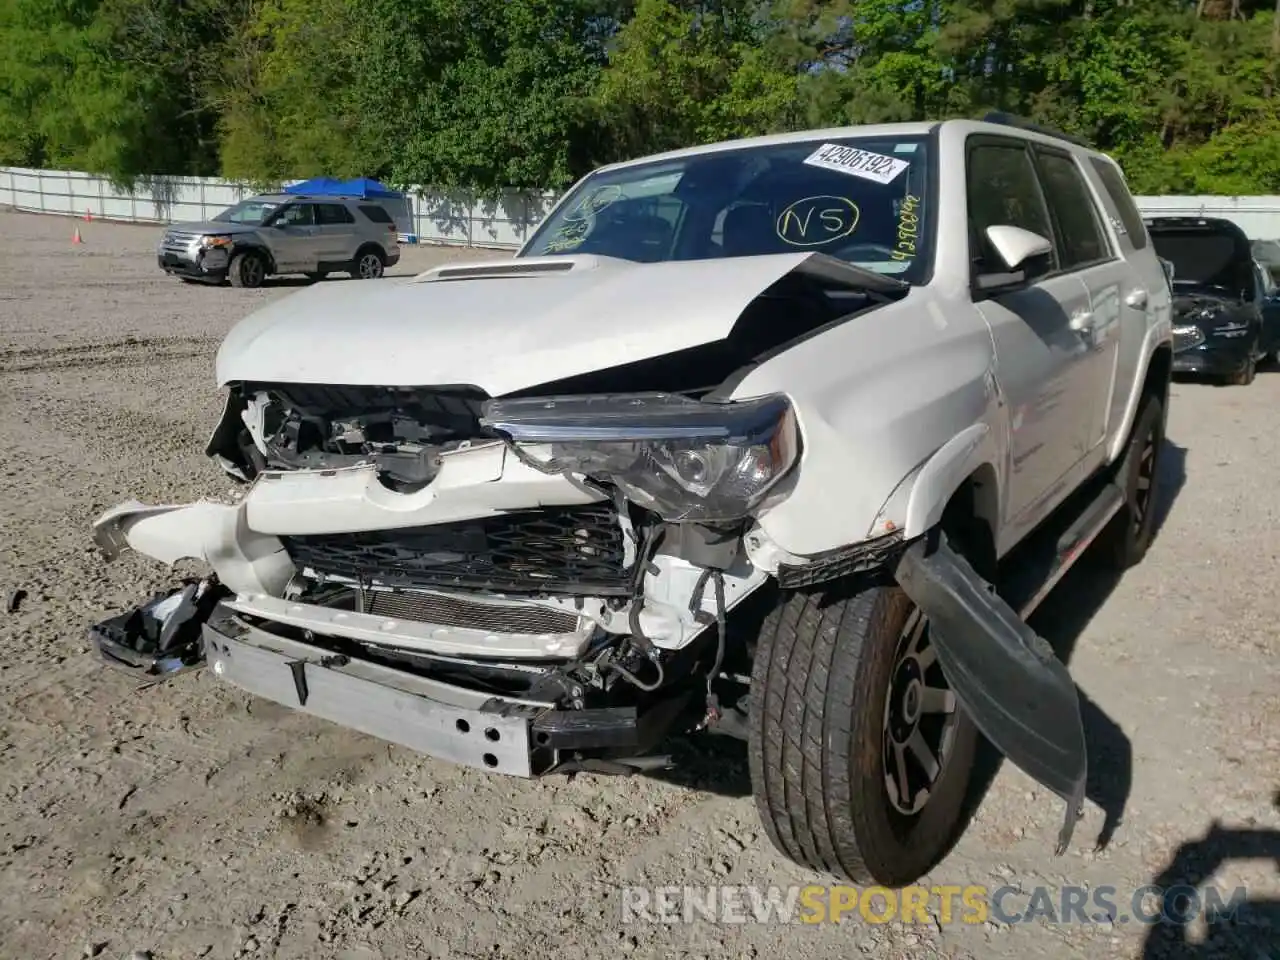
{"x":1042,"y":361}
{"x":292,"y":235}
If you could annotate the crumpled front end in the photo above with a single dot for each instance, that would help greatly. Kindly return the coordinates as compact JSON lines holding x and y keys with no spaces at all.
{"x":580,"y":550}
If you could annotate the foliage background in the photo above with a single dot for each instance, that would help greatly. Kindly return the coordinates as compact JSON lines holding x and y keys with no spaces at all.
{"x":486,"y":94}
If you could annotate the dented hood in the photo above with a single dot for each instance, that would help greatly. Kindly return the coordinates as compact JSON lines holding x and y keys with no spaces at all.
{"x":504,"y":326}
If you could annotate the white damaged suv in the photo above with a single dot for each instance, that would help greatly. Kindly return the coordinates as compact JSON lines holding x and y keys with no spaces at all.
{"x":780,"y":438}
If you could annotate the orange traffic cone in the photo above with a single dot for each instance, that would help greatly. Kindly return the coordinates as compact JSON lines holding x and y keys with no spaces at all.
{"x":75,"y":237}
{"x":88,"y":215}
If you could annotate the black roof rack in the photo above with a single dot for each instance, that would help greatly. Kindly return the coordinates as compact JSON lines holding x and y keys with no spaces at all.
{"x":1009,"y":120}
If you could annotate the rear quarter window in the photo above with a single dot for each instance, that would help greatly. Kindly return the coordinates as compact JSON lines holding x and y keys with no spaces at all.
{"x":1118,"y":191}
{"x":375,"y":213}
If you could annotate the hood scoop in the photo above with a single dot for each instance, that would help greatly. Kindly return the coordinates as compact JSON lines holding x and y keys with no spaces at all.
{"x":518,"y":267}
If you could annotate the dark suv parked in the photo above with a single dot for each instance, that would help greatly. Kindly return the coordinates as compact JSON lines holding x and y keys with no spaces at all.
{"x":1220,"y":297}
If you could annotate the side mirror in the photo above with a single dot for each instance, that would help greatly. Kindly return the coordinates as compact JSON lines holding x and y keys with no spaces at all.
{"x":1026,"y":256}
{"x":1016,"y":246}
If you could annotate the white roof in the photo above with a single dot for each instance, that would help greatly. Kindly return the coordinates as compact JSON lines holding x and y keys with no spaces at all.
{"x":915,"y":129}
{"x":800,"y":136}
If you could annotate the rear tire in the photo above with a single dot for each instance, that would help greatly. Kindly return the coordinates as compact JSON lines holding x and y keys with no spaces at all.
{"x":822,"y":738}
{"x":1126,"y":539}
{"x":247,"y":270}
{"x":369,"y":264}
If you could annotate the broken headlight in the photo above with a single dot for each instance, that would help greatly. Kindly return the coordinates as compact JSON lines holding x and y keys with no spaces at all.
{"x":681,"y":458}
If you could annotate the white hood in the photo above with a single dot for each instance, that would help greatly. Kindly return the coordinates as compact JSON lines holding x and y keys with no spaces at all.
{"x":501,"y":326}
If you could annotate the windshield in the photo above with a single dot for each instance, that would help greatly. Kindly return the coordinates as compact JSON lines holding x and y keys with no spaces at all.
{"x":248,"y":211}
{"x":863,"y":200}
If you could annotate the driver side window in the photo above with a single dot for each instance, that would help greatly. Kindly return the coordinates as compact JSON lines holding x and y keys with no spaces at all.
{"x":1002,"y":189}
{"x":296,"y":215}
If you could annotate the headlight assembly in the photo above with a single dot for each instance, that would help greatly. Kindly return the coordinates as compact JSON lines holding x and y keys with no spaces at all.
{"x":683,"y":459}
{"x":215,"y":242}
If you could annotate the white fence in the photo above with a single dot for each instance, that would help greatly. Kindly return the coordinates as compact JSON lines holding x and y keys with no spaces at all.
{"x":434,"y":216}
{"x":437,"y":216}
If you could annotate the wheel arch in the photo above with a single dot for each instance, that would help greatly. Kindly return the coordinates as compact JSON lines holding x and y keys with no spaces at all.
{"x":971,"y":518}
{"x":1156,"y":377}
{"x":961,"y":475}
{"x":257,"y":248}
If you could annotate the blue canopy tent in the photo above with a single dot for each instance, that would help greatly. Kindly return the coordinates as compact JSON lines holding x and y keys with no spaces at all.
{"x":362,"y":187}
{"x":365,"y":188}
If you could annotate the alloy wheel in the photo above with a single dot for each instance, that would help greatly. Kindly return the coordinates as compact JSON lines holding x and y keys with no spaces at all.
{"x":252,"y":272}
{"x":919,"y":719}
{"x":1144,"y":487}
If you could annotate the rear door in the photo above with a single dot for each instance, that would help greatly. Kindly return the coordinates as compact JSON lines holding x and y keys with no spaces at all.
{"x":1040,"y":358}
{"x":1085,"y":248}
{"x":335,"y":232}
{"x":1144,"y":290}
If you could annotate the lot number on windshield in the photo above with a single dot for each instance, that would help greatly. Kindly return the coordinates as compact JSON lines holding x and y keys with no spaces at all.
{"x":857,"y":163}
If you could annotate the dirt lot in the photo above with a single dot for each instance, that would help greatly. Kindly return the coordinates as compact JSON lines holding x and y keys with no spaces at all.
{"x":189,"y":820}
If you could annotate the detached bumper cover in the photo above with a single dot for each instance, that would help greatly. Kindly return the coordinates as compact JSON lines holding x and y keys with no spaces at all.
{"x":1019,"y":694}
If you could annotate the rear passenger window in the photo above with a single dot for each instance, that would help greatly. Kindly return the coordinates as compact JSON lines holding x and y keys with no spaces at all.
{"x":1082,"y":239}
{"x":1002,"y":190}
{"x":329,"y":214}
{"x":1118,"y":191}
{"x":375,"y":213}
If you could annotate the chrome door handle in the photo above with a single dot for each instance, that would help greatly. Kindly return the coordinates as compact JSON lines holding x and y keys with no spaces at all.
{"x":1082,"y":321}
{"x":1136,"y":299}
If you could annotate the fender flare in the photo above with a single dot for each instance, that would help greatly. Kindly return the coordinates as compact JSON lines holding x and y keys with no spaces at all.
{"x":1157,"y":336}
{"x":917,"y":504}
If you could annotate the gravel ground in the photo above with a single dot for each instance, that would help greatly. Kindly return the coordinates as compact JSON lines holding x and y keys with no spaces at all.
{"x":189,"y":820}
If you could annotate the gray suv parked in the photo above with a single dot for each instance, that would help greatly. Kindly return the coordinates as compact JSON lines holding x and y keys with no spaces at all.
{"x":283,"y":233}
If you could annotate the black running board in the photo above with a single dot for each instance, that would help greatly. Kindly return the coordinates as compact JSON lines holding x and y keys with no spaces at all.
{"x":1036,"y":567}
{"x":1018,"y":693}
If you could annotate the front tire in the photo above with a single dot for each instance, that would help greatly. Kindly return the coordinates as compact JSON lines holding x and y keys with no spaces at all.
{"x":844,"y":681}
{"x":247,"y":270}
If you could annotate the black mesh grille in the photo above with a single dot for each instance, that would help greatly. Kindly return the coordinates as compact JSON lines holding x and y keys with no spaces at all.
{"x":458,"y":612}
{"x":553,"y":550}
